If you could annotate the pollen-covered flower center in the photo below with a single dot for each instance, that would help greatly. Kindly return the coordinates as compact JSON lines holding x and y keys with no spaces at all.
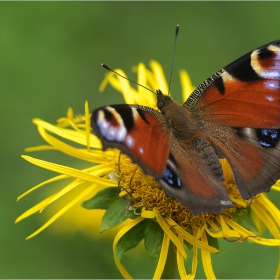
{"x":143,"y":191}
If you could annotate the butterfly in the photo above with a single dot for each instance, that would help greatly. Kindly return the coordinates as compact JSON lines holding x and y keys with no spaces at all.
{"x":234,"y":114}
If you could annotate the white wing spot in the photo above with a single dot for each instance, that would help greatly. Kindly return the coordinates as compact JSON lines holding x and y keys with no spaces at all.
{"x":273,"y":85}
{"x":108,"y":130}
{"x":129,"y":141}
{"x":225,"y":202}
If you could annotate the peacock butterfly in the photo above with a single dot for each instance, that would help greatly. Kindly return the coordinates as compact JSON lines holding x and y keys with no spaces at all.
{"x":234,"y":114}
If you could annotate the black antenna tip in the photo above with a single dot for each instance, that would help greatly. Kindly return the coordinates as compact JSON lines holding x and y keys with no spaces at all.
{"x":177,"y":29}
{"x":105,"y":66}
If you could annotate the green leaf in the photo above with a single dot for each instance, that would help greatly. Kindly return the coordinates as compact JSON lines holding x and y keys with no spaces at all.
{"x":115,"y":214}
{"x":212,"y":241}
{"x":243,"y":218}
{"x":131,"y":239}
{"x":101,"y":200}
{"x":153,"y":238}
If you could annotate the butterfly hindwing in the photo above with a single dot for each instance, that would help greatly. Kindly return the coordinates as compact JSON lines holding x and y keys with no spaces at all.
{"x":239,"y":108}
{"x":200,"y":187}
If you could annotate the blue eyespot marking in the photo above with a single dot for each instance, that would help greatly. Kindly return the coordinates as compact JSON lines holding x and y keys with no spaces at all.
{"x":171,"y":178}
{"x":268,"y":138}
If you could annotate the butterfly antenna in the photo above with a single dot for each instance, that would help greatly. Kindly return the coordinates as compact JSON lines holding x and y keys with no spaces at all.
{"x":173,"y":59}
{"x":109,"y":69}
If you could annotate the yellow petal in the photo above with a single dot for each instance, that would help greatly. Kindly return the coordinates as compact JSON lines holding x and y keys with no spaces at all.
{"x":187,"y":87}
{"x":70,"y":113}
{"x":181,"y":263}
{"x":266,"y":216}
{"x":170,"y":233}
{"x":119,"y":235}
{"x":162,"y":257}
{"x":39,"y":148}
{"x":71,"y":172}
{"x":206,"y":260}
{"x":276,"y":187}
{"x":221,"y":234}
{"x":159,"y":76}
{"x":148,"y":214}
{"x":63,"y":210}
{"x":70,"y":150}
{"x":54,"y":179}
{"x":35,"y":208}
{"x":87,"y":123}
{"x":273,"y":211}
{"x":75,"y":136}
{"x":190,"y":238}
{"x":251,"y":236}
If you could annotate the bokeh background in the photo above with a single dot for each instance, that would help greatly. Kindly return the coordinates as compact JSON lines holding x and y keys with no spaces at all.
{"x":50,"y":55}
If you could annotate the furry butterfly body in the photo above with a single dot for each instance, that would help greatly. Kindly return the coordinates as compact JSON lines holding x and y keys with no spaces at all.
{"x":234,"y":114}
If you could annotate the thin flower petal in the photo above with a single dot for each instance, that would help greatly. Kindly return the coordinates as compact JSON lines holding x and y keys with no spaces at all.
{"x":206,"y":260}
{"x":190,"y":238}
{"x":194,"y":262}
{"x":71,"y":172}
{"x":267,"y":218}
{"x":119,"y":235}
{"x":171,"y":235}
{"x":270,"y":207}
{"x":70,"y":150}
{"x":162,"y":257}
{"x":75,"y":136}
{"x":276,"y":188}
{"x":40,"y":148}
{"x":54,"y":179}
{"x":63,"y":210}
{"x":247,"y":234}
{"x":65,"y":122}
{"x":70,"y":113}
{"x":129,"y":94}
{"x":180,"y":261}
{"x":35,"y":208}
{"x":70,"y":187}
{"x":159,"y":76}
{"x":100,"y":169}
{"x":221,"y":234}
{"x":87,"y":123}
{"x":146,"y":97}
{"x":187,"y":87}
{"x":181,"y":264}
{"x":225,"y":228}
{"x":148,"y":214}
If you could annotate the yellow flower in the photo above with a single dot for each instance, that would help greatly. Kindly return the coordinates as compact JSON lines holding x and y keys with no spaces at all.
{"x":139,"y":199}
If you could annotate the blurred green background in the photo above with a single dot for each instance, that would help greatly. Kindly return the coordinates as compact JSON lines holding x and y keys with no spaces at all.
{"x":50,"y":55}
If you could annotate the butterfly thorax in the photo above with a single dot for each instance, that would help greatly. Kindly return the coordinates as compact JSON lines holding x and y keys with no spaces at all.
{"x":179,"y":119}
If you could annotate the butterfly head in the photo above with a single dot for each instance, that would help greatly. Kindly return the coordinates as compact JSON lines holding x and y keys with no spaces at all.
{"x":162,"y":100}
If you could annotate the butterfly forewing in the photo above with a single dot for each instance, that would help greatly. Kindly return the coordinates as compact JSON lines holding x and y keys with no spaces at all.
{"x":138,"y":131}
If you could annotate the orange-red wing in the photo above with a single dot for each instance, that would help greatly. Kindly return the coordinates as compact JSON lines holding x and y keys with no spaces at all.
{"x":137,"y":131}
{"x":245,"y":93}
